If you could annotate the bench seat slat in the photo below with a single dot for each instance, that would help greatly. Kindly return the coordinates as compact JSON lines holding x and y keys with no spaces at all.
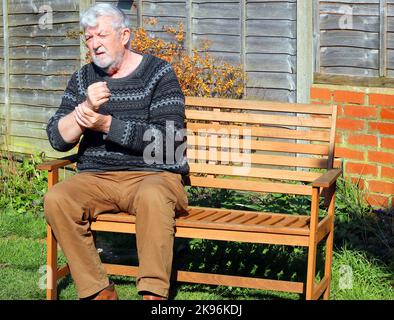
{"x":194,"y":211}
{"x":234,"y":217}
{"x":221,"y":217}
{"x":204,"y":214}
{"x":258,"y":220}
{"x":120,"y":217}
{"x":302,"y":223}
{"x":245,"y":218}
{"x":216,"y":216}
{"x":271,"y":222}
{"x":287,"y":222}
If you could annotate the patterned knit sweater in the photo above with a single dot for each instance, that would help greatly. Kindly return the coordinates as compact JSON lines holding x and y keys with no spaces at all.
{"x":147,"y":128}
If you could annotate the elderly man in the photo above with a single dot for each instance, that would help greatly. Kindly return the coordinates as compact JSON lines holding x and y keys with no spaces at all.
{"x":119,"y":109}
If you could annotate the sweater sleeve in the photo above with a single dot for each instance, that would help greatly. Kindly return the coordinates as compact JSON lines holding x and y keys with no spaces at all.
{"x":164,"y":132}
{"x":69,"y":101}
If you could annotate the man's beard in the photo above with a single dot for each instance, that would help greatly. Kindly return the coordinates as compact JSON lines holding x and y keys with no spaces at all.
{"x":106,"y":65}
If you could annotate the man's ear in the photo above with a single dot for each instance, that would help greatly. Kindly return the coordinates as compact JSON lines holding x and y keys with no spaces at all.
{"x":126,"y":34}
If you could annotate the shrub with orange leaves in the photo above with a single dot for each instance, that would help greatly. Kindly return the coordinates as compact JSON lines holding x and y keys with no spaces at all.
{"x":199,"y":73}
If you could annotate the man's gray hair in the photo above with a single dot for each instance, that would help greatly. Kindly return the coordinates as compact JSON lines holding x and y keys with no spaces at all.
{"x":89,"y":17}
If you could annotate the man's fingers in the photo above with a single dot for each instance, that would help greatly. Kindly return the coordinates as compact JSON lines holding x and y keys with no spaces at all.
{"x":85,"y":112}
{"x":80,"y":122}
{"x":100,"y":86}
{"x":103,"y":95}
{"x":102,"y":101}
{"x":80,"y":111}
{"x":80,"y":119}
{"x":97,"y":94}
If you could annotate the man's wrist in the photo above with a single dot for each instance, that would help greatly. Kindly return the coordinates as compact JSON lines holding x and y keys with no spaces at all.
{"x":81,"y":127}
{"x":108,"y":121}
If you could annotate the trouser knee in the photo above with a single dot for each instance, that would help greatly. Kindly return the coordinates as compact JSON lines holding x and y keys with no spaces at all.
{"x":51,"y":199}
{"x":57,"y":203}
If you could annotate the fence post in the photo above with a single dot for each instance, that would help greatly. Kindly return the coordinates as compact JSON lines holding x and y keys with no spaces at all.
{"x":189,"y":26}
{"x":383,"y":38}
{"x":243,"y":34}
{"x":6,"y":58}
{"x":304,"y":50}
{"x":140,"y":22}
{"x":83,"y":5}
{"x":316,"y":35}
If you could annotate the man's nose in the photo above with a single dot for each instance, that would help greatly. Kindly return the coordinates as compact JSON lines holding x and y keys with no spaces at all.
{"x":96,"y":43}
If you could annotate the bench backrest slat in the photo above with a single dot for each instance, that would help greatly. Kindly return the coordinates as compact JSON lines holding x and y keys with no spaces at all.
{"x":254,"y":172}
{"x":215,"y":141}
{"x":255,"y":159}
{"x":263,"y":132}
{"x":245,"y":185}
{"x":259,"y":119}
{"x":259,"y":105}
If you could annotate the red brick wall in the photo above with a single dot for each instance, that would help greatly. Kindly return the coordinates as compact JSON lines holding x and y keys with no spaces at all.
{"x":365,"y":137}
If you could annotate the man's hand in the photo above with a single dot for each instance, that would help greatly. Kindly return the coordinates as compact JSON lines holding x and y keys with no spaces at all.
{"x":92,"y":120}
{"x":97,"y":94}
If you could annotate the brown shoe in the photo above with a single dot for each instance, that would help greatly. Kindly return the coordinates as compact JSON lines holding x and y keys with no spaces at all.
{"x":109,"y":293}
{"x":152,"y":296}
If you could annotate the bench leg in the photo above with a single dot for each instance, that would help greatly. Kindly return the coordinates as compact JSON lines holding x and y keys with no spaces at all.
{"x":310,"y":277}
{"x":329,"y":246}
{"x":312,"y":248}
{"x":51,"y":265}
{"x":328,"y":264}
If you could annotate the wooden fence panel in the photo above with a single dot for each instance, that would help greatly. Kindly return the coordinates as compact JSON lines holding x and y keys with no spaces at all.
{"x":42,"y":56}
{"x":350,"y":37}
{"x":2,"y":80}
{"x":271,"y":49}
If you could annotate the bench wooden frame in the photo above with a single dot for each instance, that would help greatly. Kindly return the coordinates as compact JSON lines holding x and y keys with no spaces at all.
{"x":311,"y":130}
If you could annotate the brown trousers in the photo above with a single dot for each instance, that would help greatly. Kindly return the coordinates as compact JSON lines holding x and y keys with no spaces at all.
{"x":153,"y":197}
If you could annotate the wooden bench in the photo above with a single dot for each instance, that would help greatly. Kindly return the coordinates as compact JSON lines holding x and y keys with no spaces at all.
{"x":253,"y":146}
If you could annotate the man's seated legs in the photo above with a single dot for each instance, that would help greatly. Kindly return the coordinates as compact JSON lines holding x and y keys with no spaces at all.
{"x":69,"y":206}
{"x":156,"y":200}
{"x":153,"y":196}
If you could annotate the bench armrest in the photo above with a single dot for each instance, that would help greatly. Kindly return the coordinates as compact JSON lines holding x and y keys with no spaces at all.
{"x":56,"y":164}
{"x":327,"y":179}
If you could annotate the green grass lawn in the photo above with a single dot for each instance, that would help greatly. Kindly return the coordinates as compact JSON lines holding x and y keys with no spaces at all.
{"x":23,"y":258}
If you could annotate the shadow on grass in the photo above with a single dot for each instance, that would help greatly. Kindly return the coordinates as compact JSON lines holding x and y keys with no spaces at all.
{"x":63,"y":284}
{"x":226,"y":293}
{"x":372,"y":233}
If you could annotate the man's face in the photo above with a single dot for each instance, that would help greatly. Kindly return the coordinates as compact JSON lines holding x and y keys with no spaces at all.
{"x":104,"y":43}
